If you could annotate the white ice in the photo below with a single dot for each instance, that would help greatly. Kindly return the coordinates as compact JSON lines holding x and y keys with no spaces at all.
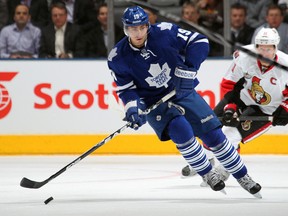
{"x":136,"y":186}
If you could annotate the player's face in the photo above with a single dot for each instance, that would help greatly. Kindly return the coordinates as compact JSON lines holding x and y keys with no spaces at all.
{"x":267,"y":51}
{"x":138,"y":35}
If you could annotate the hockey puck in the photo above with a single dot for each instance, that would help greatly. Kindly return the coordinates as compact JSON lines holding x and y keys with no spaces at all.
{"x":48,"y":200}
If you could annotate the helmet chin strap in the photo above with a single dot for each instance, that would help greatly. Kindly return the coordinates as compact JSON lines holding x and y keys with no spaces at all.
{"x":135,"y":46}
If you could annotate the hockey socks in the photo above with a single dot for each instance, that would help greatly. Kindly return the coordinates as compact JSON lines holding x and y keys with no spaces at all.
{"x":225,"y":153}
{"x":193,"y":153}
{"x":181,"y":133}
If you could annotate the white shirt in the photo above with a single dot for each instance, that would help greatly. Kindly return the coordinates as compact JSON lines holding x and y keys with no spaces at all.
{"x":59,"y":40}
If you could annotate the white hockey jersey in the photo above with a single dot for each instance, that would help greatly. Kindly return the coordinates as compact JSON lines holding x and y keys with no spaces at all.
{"x":266,"y":89}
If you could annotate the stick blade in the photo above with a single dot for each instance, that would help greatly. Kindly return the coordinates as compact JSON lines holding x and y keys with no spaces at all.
{"x":27,"y":183}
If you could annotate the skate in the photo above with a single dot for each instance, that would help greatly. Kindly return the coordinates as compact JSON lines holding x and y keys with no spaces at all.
{"x":212,"y":178}
{"x":252,"y":187}
{"x":223,"y":174}
{"x":188,"y":171}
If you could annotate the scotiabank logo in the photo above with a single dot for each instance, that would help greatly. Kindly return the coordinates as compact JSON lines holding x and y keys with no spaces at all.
{"x":85,"y":99}
{"x":66,"y":98}
{"x":5,"y":100}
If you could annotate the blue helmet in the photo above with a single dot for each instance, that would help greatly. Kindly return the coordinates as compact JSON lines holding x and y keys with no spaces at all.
{"x":134,"y":16}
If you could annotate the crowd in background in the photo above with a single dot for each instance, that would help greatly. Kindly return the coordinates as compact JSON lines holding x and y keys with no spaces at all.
{"x":78,"y":28}
{"x":246,"y":19}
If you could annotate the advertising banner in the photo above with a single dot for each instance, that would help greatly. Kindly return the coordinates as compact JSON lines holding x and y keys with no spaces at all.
{"x":76,"y":97}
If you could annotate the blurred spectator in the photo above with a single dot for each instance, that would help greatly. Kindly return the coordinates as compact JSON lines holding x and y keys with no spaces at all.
{"x":49,"y":3}
{"x":21,"y":39}
{"x":80,"y":12}
{"x":3,"y":13}
{"x":283,"y":4}
{"x":190,"y":12}
{"x":241,"y":33}
{"x":211,"y":13}
{"x":97,"y":38}
{"x":97,"y":3}
{"x":207,"y":14}
{"x":61,"y":39}
{"x":151,"y":14}
{"x":274,"y":19}
{"x":256,"y":11}
{"x":38,"y":11}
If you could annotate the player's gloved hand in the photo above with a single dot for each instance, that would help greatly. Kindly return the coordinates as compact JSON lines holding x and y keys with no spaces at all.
{"x":280,"y":115}
{"x":230,"y":115}
{"x":234,"y":95}
{"x":184,"y":81}
{"x":135,"y":113}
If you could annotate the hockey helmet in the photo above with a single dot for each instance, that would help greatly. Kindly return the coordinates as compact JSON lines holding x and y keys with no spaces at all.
{"x":134,"y":16}
{"x":267,"y":36}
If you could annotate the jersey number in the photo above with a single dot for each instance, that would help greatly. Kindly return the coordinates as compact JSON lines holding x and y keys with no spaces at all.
{"x":183,"y":34}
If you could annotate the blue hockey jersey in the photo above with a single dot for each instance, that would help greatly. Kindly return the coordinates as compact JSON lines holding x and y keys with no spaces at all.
{"x":147,"y":73}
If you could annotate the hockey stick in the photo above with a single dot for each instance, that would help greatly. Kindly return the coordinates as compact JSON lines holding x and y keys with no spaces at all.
{"x":253,"y":118}
{"x":27,"y":183}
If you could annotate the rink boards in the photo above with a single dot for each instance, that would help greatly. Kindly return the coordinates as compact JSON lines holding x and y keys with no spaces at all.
{"x":122,"y":144}
{"x":67,"y":106}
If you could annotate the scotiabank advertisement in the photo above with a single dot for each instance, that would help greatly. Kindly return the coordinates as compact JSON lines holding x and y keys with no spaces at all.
{"x":74,"y":97}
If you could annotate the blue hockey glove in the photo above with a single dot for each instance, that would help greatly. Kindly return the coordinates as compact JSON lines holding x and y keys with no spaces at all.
{"x":135,"y":113}
{"x":280,"y":116}
{"x":184,"y":81}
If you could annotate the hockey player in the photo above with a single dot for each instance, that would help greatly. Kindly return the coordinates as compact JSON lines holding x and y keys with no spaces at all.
{"x":148,"y":64}
{"x":253,"y":87}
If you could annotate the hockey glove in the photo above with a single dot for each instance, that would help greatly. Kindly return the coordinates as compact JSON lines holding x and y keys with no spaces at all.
{"x":234,"y":95}
{"x":230,"y":115}
{"x":184,"y":81}
{"x":280,"y":116}
{"x":135,"y":113}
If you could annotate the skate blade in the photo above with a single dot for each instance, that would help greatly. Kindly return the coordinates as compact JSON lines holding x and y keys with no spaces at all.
{"x":203,"y":184}
{"x":189,"y":176}
{"x":257,"y":195}
{"x":223,"y":191}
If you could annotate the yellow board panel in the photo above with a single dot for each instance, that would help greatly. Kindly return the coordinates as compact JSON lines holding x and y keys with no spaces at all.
{"x":122,"y":144}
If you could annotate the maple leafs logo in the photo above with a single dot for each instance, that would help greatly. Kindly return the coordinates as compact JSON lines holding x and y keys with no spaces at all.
{"x":164,"y":26}
{"x":112,"y":54}
{"x":160,"y":76}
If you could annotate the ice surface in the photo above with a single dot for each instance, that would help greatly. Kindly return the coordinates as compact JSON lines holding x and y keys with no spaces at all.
{"x":136,"y":185}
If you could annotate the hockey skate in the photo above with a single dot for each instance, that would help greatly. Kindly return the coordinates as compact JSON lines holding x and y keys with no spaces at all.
{"x":212,"y":178}
{"x":188,"y":171}
{"x":223,"y":174}
{"x":252,"y":187}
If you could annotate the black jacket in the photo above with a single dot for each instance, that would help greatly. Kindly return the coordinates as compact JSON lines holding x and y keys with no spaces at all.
{"x":73,"y":42}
